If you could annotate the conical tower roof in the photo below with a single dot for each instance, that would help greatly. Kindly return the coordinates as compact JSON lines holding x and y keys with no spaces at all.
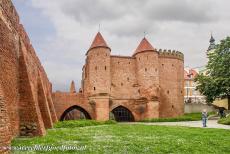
{"x":144,"y":46}
{"x":98,"y":42}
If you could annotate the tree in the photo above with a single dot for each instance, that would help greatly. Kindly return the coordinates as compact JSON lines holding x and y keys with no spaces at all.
{"x":216,"y":82}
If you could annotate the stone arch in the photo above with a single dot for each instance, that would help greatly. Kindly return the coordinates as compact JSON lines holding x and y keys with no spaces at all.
{"x":122,"y":114}
{"x":75,"y":107}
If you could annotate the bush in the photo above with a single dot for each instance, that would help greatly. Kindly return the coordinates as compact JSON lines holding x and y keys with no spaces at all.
{"x":225,"y":121}
{"x":81,"y":123}
{"x":185,"y":117}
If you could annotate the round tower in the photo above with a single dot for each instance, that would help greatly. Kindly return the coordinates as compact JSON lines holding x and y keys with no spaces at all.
{"x":98,"y":67}
{"x":148,"y":77}
{"x":97,"y":80}
{"x":147,"y":69}
{"x":171,"y":65}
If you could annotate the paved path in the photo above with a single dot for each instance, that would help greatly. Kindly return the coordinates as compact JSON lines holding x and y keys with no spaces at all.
{"x":210,"y":124}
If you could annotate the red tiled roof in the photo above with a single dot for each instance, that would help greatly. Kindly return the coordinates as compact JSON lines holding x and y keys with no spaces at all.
{"x":144,"y":46}
{"x":98,"y":41}
{"x":191,"y":74}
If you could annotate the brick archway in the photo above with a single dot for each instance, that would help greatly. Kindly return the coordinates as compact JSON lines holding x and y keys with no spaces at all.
{"x":122,"y":114}
{"x":75,"y":107}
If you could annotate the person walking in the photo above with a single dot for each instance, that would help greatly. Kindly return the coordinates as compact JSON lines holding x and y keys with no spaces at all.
{"x":221,"y":112}
{"x":204,"y":117}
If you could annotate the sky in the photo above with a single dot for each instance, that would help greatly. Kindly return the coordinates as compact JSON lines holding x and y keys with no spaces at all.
{"x":62,"y":31}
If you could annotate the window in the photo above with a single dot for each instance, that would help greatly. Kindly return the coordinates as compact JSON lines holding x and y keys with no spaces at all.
{"x":96,"y":68}
{"x":121,"y":84}
{"x":168,"y":91}
{"x":129,"y":63}
{"x":105,"y":68}
{"x":145,"y":69}
{"x":94,"y":88}
{"x":128,"y":79}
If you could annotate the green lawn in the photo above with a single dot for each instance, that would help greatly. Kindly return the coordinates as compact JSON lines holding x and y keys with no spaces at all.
{"x":185,"y":117}
{"x":125,"y":138}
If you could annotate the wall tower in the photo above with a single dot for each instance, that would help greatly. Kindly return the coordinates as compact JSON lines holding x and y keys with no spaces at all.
{"x":97,"y":79}
{"x":147,"y":76}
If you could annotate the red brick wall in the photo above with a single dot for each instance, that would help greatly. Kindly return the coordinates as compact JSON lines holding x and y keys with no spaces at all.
{"x":9,"y":74}
{"x":123,"y":78}
{"x":24,"y":84}
{"x":97,"y":71}
{"x":171,"y":85}
{"x":63,"y":101}
{"x":5,"y":135}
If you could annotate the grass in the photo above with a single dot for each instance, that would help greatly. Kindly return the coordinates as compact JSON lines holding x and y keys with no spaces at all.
{"x":225,"y":121}
{"x":185,"y":117}
{"x":82,"y":123}
{"x":133,"y":139}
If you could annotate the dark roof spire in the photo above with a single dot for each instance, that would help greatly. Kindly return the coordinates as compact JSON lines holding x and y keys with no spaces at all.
{"x":212,"y":40}
{"x":212,"y":43}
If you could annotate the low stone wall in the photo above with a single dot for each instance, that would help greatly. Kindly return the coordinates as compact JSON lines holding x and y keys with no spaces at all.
{"x":192,"y":108}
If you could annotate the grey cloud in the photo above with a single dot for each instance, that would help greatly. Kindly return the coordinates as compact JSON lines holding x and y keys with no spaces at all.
{"x":131,"y":26}
{"x":91,"y":11}
{"x":182,"y":10}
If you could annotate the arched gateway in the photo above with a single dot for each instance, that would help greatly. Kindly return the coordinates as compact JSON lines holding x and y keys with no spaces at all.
{"x":75,"y":113}
{"x":122,"y":114}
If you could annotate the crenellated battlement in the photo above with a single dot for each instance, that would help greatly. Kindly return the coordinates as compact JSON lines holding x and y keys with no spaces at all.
{"x":171,"y":54}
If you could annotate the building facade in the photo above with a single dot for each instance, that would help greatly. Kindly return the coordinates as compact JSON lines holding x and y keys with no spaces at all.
{"x":191,"y":95}
{"x":128,"y":88}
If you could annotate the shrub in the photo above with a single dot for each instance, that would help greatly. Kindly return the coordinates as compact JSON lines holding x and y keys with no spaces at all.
{"x":225,"y":121}
{"x":81,"y":123}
